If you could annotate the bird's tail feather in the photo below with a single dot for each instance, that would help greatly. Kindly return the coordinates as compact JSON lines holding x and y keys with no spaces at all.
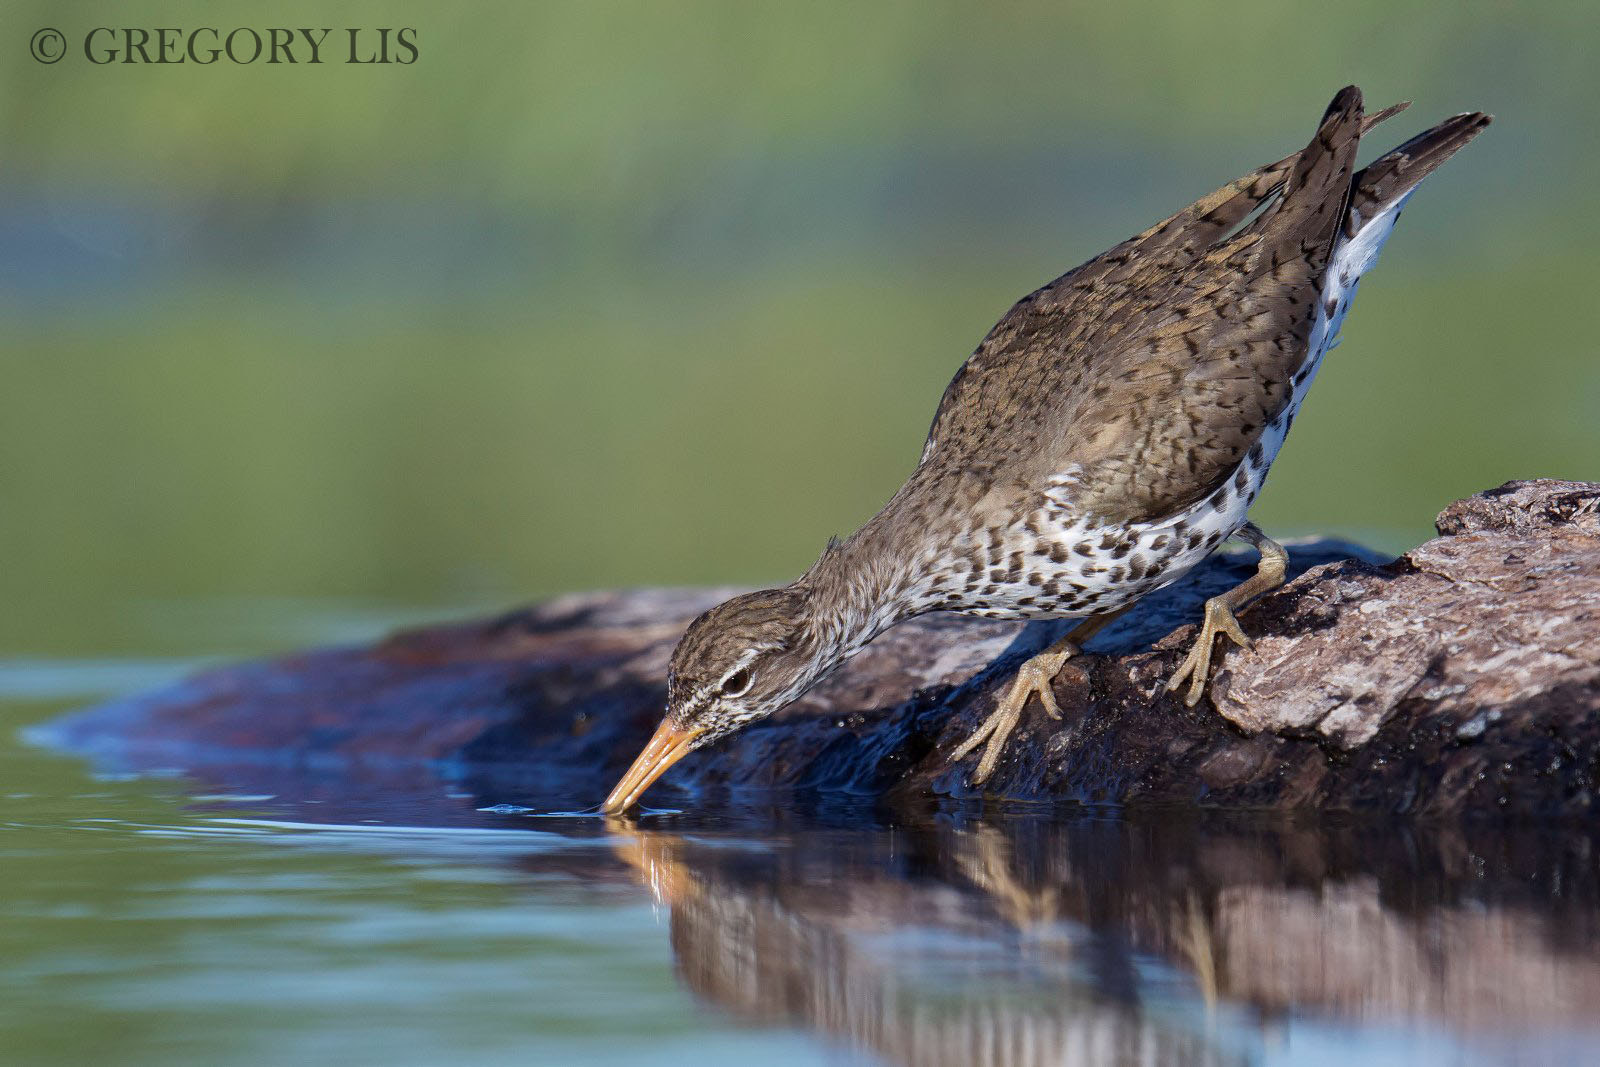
{"x":1237,"y":201}
{"x":1318,"y":188}
{"x":1394,"y":174}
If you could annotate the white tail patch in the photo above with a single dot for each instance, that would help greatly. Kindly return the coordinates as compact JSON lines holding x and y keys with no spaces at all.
{"x":1352,"y":257}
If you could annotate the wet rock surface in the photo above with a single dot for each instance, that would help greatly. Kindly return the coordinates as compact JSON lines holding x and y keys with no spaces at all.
{"x":1463,"y":676}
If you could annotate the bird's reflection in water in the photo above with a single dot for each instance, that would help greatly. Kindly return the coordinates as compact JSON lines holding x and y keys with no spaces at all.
{"x":1107,"y":941}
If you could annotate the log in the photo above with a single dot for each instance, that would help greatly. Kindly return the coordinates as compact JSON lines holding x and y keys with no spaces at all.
{"x":1463,"y":676}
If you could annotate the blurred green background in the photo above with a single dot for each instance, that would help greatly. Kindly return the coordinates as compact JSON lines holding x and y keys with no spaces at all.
{"x":604,"y":294}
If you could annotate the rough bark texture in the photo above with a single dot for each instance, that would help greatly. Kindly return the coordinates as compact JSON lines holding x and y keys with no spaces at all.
{"x":1464,"y":675}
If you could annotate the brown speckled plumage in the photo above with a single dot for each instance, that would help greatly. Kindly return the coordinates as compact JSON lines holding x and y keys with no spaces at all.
{"x":1110,"y":431}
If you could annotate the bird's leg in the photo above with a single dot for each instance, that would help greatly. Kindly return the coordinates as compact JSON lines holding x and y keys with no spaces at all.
{"x":1219,"y":612}
{"x":987,"y":858}
{"x":1032,"y":677}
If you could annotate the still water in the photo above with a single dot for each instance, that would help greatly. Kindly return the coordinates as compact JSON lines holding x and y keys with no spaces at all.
{"x":589,"y":299}
{"x":171,"y":920}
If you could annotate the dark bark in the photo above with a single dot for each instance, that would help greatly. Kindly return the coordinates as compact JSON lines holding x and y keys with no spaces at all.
{"x":1463,"y":676}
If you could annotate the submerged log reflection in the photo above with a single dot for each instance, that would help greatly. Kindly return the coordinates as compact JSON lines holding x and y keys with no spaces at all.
{"x":1102,"y":941}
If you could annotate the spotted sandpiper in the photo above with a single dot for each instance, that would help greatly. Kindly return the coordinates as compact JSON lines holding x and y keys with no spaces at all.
{"x":1107,"y":435}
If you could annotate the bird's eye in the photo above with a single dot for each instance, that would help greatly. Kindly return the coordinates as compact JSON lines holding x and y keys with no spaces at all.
{"x":736,"y":683}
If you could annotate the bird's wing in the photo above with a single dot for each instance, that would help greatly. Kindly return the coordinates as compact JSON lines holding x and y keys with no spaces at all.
{"x":1156,"y":365}
{"x":1113,"y":277}
{"x":1188,"y":389}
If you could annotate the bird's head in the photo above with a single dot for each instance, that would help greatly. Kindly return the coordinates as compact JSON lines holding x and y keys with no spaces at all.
{"x":739,"y":662}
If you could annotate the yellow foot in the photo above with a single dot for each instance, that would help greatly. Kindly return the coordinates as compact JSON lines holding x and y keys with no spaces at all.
{"x":1196,"y":668}
{"x":1032,"y":677}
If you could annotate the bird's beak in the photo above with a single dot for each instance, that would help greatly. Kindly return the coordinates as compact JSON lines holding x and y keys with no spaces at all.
{"x":669,"y":745}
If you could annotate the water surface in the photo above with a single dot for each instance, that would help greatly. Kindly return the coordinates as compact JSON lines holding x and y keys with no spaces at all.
{"x":599,"y":295}
{"x":167,"y":920}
